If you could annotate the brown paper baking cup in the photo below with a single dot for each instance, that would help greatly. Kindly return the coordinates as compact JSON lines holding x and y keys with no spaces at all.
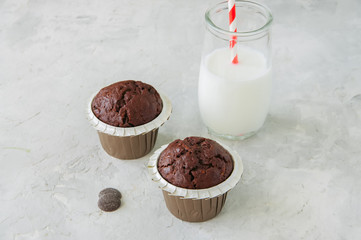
{"x":132,"y":142}
{"x":195,"y":205}
{"x":128,"y":147}
{"x":194,"y":210}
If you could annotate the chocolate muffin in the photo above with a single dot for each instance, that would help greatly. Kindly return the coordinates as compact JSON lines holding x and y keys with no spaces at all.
{"x":127,"y":104}
{"x":195,"y":163}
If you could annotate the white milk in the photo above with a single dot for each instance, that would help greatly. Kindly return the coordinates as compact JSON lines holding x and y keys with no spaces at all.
{"x":234,"y":98}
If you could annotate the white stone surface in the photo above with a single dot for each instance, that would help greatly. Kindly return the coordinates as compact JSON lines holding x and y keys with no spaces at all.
{"x":302,"y":170}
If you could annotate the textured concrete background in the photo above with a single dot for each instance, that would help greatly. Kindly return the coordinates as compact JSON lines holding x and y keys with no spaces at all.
{"x":301,"y":178}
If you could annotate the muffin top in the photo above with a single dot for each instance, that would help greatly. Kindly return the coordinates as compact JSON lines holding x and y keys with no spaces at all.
{"x":127,"y":104}
{"x":195,"y":163}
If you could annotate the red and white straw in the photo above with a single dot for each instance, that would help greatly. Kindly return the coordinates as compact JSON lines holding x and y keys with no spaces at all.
{"x":232,"y":28}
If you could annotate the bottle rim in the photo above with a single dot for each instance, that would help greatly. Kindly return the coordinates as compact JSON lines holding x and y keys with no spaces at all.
{"x":223,"y":6}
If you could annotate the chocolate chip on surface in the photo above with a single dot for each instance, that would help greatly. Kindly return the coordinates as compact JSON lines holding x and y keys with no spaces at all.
{"x":112,"y":191}
{"x":109,"y":199}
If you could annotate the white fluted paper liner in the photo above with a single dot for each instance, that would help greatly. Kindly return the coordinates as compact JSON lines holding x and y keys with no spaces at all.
{"x":205,"y":193}
{"x":131,"y":131}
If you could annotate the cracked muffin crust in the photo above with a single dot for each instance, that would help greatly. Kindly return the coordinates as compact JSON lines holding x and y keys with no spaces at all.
{"x":195,"y":163}
{"x":127,"y":104}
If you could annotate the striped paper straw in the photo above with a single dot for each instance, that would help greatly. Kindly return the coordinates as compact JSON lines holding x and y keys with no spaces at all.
{"x":232,"y":28}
